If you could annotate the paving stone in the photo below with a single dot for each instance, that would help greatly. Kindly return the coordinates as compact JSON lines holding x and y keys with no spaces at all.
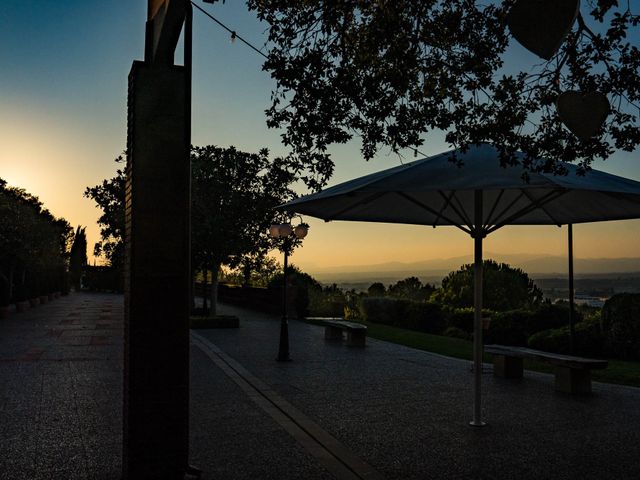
{"x":406,"y":412}
{"x":403,"y":411}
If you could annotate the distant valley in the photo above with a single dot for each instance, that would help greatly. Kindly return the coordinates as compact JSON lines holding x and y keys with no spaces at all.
{"x":548,"y":270}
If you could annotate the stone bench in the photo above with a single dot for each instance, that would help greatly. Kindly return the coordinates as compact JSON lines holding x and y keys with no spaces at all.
{"x":333,"y":328}
{"x":572,"y":374}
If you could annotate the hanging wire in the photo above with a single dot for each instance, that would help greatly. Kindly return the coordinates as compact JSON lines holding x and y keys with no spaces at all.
{"x":234,"y":34}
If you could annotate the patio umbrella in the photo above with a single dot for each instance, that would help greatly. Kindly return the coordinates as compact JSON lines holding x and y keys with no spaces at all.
{"x":478,"y":198}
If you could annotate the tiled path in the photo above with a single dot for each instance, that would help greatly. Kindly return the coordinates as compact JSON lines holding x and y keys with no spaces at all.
{"x":385,"y":411}
{"x":61,"y":389}
{"x":405,"y":412}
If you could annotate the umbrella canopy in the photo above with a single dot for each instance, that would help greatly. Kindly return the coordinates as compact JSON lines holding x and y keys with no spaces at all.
{"x":435,"y":191}
{"x":479,"y":198}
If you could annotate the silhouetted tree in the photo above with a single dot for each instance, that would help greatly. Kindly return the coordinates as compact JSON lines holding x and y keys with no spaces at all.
{"x":505,"y":288}
{"x":411,"y":288}
{"x":233,"y":198}
{"x":110,"y":197}
{"x":78,"y":256}
{"x":33,"y":245}
{"x":376,"y":289}
{"x":391,"y":71}
{"x":233,"y":195}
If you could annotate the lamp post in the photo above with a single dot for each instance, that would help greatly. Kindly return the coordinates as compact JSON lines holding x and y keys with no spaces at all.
{"x":288,"y":233}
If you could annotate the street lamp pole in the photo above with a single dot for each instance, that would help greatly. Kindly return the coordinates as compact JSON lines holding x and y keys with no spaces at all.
{"x":283,"y":348}
{"x":288,"y":234}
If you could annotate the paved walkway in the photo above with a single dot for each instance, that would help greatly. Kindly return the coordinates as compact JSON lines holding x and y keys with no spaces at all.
{"x":385,"y":411}
{"x":61,"y":390}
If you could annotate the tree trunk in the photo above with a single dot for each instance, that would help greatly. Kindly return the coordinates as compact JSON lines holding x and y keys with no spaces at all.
{"x":193,"y":290}
{"x":246,"y":275}
{"x":11,"y":272}
{"x":4,"y":281}
{"x":205,"y":308}
{"x":215,"y":270}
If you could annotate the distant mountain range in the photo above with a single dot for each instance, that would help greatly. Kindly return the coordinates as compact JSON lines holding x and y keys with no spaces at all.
{"x":537,"y":266}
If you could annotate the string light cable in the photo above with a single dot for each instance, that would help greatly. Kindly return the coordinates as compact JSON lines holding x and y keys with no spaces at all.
{"x":233,"y":33}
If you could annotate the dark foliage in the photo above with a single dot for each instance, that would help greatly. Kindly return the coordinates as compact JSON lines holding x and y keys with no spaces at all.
{"x":376,"y":289}
{"x":110,"y":197}
{"x":77,"y":257}
{"x":455,"y":332}
{"x":34,"y":246}
{"x":505,"y":288}
{"x":588,"y":339}
{"x":462,"y":318}
{"x":547,"y":316}
{"x":390,"y":72}
{"x":621,"y":325}
{"x":419,"y":316}
{"x":234,"y":194}
{"x":411,"y":288}
{"x":301,"y":284}
{"x":508,"y":328}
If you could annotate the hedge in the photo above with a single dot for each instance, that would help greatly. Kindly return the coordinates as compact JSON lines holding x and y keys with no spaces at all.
{"x":548,"y":316}
{"x":420,"y":316}
{"x":462,"y":318}
{"x":588,"y":339}
{"x":621,"y":325}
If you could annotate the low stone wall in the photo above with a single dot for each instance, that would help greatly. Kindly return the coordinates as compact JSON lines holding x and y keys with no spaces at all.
{"x":268,"y":300}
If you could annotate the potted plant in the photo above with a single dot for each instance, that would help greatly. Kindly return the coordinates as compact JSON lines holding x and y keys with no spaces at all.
{"x":40,"y":288}
{"x":51,"y":287}
{"x":20,"y":295}
{"x":31,"y":290}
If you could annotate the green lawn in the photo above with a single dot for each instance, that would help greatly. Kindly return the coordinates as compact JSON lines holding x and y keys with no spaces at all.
{"x":619,"y":371}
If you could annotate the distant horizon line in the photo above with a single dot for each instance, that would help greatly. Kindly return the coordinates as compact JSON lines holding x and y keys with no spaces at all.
{"x":487,"y":256}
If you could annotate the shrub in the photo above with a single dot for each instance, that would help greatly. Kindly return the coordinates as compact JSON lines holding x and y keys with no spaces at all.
{"x":462,"y":318}
{"x":548,"y":316}
{"x":383,"y":310}
{"x":588,"y":339}
{"x":103,"y":278}
{"x":376,"y":290}
{"x":420,"y":316}
{"x":4,"y":292}
{"x":508,"y":328}
{"x":302,"y":284}
{"x":20,"y":293}
{"x":326,"y":302}
{"x":621,"y":325}
{"x":424,"y":317}
{"x":351,"y":313}
{"x":455,"y":332}
{"x":411,"y":288}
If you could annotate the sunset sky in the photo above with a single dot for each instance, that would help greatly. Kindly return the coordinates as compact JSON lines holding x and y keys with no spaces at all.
{"x":63,"y":87}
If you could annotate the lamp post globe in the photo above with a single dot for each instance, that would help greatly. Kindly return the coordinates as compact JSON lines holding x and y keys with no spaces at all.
{"x":301,"y":231}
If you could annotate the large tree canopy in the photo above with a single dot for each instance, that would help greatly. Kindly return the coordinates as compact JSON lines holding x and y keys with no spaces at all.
{"x":109,"y":197}
{"x":233,"y":195}
{"x":391,"y":71}
{"x":506,"y":288}
{"x":34,"y":246}
{"x":233,"y":198}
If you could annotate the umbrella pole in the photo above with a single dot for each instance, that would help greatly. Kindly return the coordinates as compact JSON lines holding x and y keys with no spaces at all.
{"x":478,"y":234}
{"x":571,"y":292}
